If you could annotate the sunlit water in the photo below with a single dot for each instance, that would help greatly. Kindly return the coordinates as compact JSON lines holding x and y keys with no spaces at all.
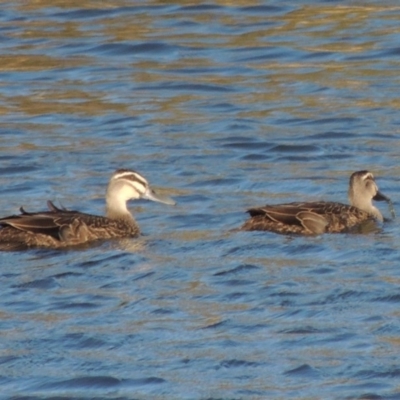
{"x":222,"y":106}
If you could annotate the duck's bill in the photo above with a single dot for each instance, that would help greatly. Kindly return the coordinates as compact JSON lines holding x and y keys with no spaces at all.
{"x":151,"y":195}
{"x":381,"y":197}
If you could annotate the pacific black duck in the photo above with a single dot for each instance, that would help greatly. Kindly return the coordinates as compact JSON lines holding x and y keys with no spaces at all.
{"x":60,"y":227}
{"x":313,"y":218}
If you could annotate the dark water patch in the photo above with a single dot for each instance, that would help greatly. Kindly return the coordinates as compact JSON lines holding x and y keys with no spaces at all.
{"x":265,"y":9}
{"x":308,"y":330}
{"x":124,"y":49}
{"x":68,"y":274}
{"x":199,"y":71}
{"x":220,"y":324}
{"x":46,"y":283}
{"x":375,"y":318}
{"x":338,"y":156}
{"x":104,"y":13}
{"x":323,"y":55}
{"x":163,"y":311}
{"x":283,"y":298}
{"x":341,"y":337}
{"x":389,"y":298}
{"x":295,"y":148}
{"x":84,"y":306}
{"x":18,"y":169}
{"x":384,"y":373}
{"x":234,"y":363}
{"x":304,"y":371}
{"x":235,"y":138}
{"x":297,"y":248}
{"x":22,"y":306}
{"x":224,"y":107}
{"x":143,"y":276}
{"x":256,"y":157}
{"x":187,"y":87}
{"x":235,"y":282}
{"x":7,"y":359}
{"x":342,"y":120}
{"x":239,"y":269}
{"x":121,"y":284}
{"x":83,"y":341}
{"x":98,"y":382}
{"x":80,"y":303}
{"x":375,"y":55}
{"x":215,"y":182}
{"x":100,"y":259}
{"x":334,"y":135}
{"x":384,"y":329}
{"x":86,"y":13}
{"x":13,"y":132}
{"x":291,"y":121}
{"x":321,"y":271}
{"x":338,"y":296}
{"x":248,"y":145}
{"x":299,"y":159}
{"x":236,"y":296}
{"x":200,"y":8}
{"x":122,"y":120}
{"x":17,"y":188}
{"x":269,"y":53}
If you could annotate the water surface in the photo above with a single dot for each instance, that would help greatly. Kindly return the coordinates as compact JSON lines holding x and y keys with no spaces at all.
{"x":222,"y":106}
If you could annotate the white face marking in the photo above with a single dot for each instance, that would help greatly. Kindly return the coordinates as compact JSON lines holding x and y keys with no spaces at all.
{"x":131,"y":178}
{"x":128,"y":174}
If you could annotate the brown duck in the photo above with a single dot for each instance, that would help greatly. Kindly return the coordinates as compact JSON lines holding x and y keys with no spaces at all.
{"x":59,"y":227}
{"x":313,"y":218}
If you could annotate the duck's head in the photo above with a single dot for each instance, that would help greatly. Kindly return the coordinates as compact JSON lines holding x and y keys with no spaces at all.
{"x":126,"y":184}
{"x":362,"y":190}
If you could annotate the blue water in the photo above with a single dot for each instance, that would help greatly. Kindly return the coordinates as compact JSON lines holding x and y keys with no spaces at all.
{"x":222,"y":107}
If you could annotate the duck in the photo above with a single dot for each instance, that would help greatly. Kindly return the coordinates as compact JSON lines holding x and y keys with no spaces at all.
{"x":318,"y":217}
{"x":60,"y":227}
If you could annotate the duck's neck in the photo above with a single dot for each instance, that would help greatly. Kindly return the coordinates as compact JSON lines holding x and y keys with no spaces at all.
{"x":116,"y":209}
{"x":367,"y":206}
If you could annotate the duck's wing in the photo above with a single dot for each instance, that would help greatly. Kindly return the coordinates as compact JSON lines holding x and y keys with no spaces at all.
{"x":299,"y":216}
{"x":61,"y":224}
{"x":43,"y":223}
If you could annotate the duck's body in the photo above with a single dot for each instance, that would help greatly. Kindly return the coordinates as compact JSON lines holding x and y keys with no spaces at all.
{"x":312,"y":218}
{"x":306,"y":218}
{"x":59,"y":228}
